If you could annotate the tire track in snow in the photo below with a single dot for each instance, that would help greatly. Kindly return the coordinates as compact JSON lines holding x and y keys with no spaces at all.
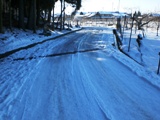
{"x":88,"y":84}
{"x":83,"y":86}
{"x":92,"y":89}
{"x":116,"y":92}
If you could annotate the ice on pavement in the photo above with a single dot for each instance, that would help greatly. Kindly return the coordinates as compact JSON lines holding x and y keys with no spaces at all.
{"x":99,"y":84}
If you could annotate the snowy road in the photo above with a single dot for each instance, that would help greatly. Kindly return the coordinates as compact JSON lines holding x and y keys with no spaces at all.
{"x":74,"y":78}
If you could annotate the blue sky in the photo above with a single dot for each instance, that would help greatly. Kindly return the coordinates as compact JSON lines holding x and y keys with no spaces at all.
{"x":122,"y":5}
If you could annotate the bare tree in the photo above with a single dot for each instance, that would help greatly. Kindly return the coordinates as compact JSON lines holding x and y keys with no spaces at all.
{"x":142,"y":20}
{"x":157,"y":23}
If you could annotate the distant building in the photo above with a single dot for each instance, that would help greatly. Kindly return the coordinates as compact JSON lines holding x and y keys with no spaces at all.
{"x":155,"y":15}
{"x":106,"y":15}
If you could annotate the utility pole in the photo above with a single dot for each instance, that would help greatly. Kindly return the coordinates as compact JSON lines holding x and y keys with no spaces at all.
{"x":119,"y":6}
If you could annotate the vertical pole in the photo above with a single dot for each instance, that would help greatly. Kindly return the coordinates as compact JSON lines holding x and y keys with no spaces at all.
{"x":21,"y":14}
{"x":131,"y":33}
{"x":124,"y":26}
{"x":64,"y":13}
{"x":158,"y":64}
{"x":34,"y":17}
{"x":53,"y":16}
{"x":118,"y":5}
{"x":10,"y":15}
{"x":61,"y":17}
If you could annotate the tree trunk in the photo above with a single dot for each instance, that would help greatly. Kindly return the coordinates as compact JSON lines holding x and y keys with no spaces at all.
{"x":32,"y":16}
{"x":21,"y":14}
{"x":61,"y":17}
{"x":38,"y":12}
{"x":49,"y":15}
{"x":1,"y":23}
{"x":119,"y":27}
{"x":64,"y":15}
{"x":10,"y":15}
{"x":53,"y":17}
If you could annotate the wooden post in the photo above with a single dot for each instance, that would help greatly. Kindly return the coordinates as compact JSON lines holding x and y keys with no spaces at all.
{"x":118,"y":41}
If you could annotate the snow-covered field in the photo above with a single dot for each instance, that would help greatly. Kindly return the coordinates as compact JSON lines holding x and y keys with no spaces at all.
{"x":79,"y":76}
{"x":148,"y":53}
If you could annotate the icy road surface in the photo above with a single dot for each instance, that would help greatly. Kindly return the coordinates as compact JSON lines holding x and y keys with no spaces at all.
{"x":74,"y":78}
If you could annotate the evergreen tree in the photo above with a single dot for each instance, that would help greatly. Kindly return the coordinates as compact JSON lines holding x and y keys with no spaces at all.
{"x":31,"y":10}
